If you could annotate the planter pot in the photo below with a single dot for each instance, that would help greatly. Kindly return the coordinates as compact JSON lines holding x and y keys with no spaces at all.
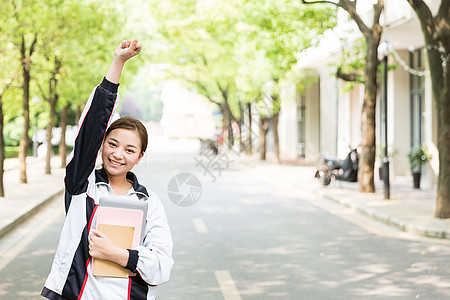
{"x":416,"y":180}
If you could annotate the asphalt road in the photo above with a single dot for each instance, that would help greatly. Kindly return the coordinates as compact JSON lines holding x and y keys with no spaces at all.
{"x":249,"y":235}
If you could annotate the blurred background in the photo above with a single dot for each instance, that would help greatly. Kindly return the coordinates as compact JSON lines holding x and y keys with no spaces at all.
{"x":259,"y":96}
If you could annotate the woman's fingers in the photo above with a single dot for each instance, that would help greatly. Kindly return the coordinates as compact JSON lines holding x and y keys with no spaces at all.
{"x":125,"y":44}
{"x":127,"y":49}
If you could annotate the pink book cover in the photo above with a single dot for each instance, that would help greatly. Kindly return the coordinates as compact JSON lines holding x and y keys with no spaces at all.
{"x":123,"y":217}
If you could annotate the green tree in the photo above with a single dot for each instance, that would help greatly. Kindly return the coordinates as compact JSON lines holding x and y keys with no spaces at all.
{"x":229,"y":50}
{"x":200,"y":47}
{"x":283,"y":28}
{"x":372,"y":34}
{"x":24,"y":32}
{"x":8,"y":76}
{"x":436,"y":31}
{"x":68,"y":38}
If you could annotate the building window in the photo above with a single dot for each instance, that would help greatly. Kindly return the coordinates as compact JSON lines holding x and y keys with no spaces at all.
{"x":417,"y":92}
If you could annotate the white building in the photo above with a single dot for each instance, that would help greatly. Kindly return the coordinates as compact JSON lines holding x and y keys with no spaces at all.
{"x":329,"y":120}
{"x":186,"y":114}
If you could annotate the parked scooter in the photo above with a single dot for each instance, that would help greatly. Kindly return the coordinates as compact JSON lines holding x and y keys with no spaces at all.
{"x":343,"y":170}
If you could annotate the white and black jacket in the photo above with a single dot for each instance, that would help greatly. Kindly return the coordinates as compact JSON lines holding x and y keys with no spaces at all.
{"x":71,"y":276}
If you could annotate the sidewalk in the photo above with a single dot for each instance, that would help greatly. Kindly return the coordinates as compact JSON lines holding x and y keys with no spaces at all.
{"x":410,"y":210}
{"x":22,"y":201}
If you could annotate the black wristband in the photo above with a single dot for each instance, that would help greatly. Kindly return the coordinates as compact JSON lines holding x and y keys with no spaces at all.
{"x":112,"y":87}
{"x":133,"y":256}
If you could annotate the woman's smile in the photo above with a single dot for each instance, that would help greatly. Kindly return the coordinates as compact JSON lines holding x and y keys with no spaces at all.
{"x":121,"y":151}
{"x":115,"y":163}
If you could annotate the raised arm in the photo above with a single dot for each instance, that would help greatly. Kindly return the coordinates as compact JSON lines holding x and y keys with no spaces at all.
{"x":96,"y":116}
{"x":126,"y":50}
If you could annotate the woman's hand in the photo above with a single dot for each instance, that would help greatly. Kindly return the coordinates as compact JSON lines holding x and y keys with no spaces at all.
{"x":127,"y":49}
{"x":101,"y":247}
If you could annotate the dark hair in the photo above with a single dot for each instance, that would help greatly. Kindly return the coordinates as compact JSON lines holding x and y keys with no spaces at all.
{"x":130,"y":123}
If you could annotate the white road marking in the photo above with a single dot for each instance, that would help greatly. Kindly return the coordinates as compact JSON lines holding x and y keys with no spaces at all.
{"x":227,"y":285}
{"x":199,"y":225}
{"x":14,"y":251}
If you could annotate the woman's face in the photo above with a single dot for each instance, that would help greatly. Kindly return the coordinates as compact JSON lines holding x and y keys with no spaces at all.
{"x":121,"y":151}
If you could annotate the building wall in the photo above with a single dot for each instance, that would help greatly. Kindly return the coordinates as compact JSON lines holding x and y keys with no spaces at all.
{"x":328,"y":111}
{"x":349,"y":119}
{"x":186,"y":114}
{"x":312,"y":122}
{"x":399,"y":117}
{"x":287,"y":130}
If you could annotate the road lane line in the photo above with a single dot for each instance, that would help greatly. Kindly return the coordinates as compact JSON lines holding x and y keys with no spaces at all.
{"x":199,"y":225}
{"x":14,"y":251}
{"x":227,"y":285}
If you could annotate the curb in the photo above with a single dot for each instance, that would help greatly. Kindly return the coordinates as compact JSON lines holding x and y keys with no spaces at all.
{"x":30,"y":213}
{"x":389,"y":220}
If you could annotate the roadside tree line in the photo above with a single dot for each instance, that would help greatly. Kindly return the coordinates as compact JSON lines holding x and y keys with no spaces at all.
{"x":239,"y":52}
{"x":51,"y":54}
{"x":236,"y":53}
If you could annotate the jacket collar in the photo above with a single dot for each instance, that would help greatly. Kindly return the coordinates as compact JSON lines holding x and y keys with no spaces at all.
{"x":101,"y":177}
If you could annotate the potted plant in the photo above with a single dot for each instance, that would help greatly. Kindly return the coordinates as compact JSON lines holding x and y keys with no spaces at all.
{"x":417,"y":157}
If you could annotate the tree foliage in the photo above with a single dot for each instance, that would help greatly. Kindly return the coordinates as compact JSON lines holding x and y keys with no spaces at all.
{"x":228,"y":51}
{"x":60,"y":48}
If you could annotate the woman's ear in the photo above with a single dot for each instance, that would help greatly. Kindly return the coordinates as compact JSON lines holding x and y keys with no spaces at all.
{"x":140,"y":157}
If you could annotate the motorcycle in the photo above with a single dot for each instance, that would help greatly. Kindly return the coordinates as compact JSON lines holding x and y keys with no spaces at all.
{"x":343,"y":170}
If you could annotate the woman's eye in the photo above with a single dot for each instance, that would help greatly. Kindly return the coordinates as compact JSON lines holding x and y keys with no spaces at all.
{"x":112,"y":144}
{"x":130,"y":151}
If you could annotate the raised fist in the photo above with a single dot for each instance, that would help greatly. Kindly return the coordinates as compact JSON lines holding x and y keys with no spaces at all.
{"x":127,"y":49}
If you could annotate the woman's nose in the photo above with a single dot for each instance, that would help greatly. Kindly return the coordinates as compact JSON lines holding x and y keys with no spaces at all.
{"x":118,"y":153}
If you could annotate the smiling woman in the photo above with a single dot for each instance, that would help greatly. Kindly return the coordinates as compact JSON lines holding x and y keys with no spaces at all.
{"x":123,"y":145}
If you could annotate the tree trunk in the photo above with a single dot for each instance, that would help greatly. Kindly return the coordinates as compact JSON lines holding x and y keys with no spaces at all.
{"x":441,"y":93}
{"x":436,"y":31}
{"x":23,"y":144}
{"x":51,"y":122}
{"x":367,"y":157}
{"x":2,"y":137}
{"x":443,"y":191}
{"x":248,"y":148}
{"x":224,"y":121}
{"x":53,"y":100}
{"x":229,"y":124}
{"x":263,"y":129}
{"x":230,"y":130}
{"x":276,"y":139}
{"x":240,"y":122}
{"x":62,"y":145}
{"x":78,"y":113}
{"x":275,"y":118}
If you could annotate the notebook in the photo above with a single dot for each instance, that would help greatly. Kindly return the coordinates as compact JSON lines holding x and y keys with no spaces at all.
{"x":120,"y":236}
{"x":123,"y":221}
{"x":119,"y":211}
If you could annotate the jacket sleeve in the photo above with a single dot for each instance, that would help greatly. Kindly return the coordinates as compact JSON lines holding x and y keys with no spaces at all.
{"x":94,"y":120}
{"x":155,"y":256}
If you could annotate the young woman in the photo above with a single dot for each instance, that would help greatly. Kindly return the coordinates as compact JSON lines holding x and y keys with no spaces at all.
{"x":122,"y":146}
